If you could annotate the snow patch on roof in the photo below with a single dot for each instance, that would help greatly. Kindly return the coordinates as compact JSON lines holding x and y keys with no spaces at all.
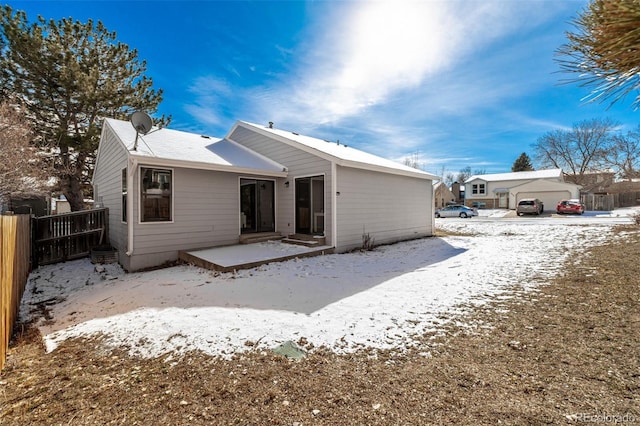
{"x":534,"y":174}
{"x":339,"y":151}
{"x":175,"y":145}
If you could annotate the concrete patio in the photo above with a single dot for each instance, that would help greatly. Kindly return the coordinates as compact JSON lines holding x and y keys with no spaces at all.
{"x":246,"y":256}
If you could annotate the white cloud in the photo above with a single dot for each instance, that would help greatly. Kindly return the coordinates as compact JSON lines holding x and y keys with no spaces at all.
{"x":211,"y":97}
{"x":379,"y":48}
{"x":387,"y":46}
{"x":439,"y":73}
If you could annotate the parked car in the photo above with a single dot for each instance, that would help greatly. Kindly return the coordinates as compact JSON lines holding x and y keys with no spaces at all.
{"x":529,"y":206}
{"x":570,"y":206}
{"x":456,"y":210}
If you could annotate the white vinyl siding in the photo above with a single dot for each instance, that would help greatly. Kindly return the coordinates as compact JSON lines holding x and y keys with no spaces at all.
{"x":388,"y":207}
{"x":504,"y":184}
{"x":299,"y":164}
{"x":206,"y":204}
{"x":107,"y":180}
{"x":205,"y":214}
{"x":489,"y":187}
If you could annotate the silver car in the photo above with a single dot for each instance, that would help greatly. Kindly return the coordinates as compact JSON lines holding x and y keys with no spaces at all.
{"x":456,"y":210}
{"x":529,"y":206}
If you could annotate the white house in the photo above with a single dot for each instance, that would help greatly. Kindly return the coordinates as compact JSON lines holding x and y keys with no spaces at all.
{"x":170,"y":190}
{"x":504,"y":190}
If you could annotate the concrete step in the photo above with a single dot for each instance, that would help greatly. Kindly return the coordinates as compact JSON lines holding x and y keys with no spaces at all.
{"x":305,"y":243}
{"x":305,"y":240}
{"x":260,"y":237}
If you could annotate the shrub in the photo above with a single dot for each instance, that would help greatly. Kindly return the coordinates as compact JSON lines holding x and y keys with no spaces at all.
{"x":368,"y":242}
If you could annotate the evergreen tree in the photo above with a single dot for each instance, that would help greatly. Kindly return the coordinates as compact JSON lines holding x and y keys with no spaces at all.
{"x":522,"y":164}
{"x":71,"y":75}
{"x":603,"y":51}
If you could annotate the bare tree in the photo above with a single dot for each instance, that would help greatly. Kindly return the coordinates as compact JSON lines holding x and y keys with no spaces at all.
{"x":23,"y":169}
{"x":413,"y":161}
{"x":448,"y":178}
{"x":463,"y":175}
{"x":579,"y":151}
{"x":624,"y":155}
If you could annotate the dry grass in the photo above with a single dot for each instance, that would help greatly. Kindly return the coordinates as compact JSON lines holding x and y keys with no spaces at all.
{"x":569,"y":351}
{"x":440,"y":232}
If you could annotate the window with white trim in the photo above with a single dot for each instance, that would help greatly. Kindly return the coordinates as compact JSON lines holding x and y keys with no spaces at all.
{"x":155,"y":194}
{"x":478,"y":189}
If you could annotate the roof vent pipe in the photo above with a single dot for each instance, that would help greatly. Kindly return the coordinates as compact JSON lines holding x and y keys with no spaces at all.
{"x":271,"y":124}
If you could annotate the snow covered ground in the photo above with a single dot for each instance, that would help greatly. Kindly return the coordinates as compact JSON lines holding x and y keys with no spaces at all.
{"x":378,"y":299}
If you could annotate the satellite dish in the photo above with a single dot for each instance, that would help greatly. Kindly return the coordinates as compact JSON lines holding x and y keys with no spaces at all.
{"x":142,"y":123}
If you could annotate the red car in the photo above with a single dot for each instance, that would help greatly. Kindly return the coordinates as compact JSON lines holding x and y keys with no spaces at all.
{"x":570,"y":206}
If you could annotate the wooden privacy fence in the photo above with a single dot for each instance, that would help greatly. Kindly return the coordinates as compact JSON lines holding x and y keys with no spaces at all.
{"x":15,"y":265}
{"x":598,"y":202}
{"x":610,"y":201}
{"x":69,"y":236}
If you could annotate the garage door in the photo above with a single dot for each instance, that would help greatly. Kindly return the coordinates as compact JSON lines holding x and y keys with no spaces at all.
{"x":549,"y":198}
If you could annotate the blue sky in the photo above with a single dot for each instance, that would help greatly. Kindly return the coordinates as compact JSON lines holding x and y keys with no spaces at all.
{"x":459,"y":83}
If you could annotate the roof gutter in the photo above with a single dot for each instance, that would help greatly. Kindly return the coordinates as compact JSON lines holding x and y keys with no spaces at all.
{"x":332,"y":158}
{"x":207,"y":166}
{"x":373,"y":167}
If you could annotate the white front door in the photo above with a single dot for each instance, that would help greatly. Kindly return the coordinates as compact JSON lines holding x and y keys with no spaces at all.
{"x":503,"y":200}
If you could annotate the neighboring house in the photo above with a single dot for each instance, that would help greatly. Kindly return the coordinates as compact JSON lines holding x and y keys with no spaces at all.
{"x":442,"y":195}
{"x":505,"y":190}
{"x":624,"y":186}
{"x":594,"y":182}
{"x":618,"y":194}
{"x":175,"y":191}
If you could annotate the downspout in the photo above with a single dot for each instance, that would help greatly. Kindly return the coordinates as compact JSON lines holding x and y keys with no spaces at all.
{"x":334,"y":205}
{"x":133,"y":166}
{"x":433,"y":209}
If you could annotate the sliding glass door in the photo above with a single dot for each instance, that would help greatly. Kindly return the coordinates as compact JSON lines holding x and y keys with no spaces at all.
{"x":257,"y":205}
{"x":310,"y":205}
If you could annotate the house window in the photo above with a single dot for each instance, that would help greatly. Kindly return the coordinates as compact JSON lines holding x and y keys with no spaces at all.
{"x":124,"y":195}
{"x":156,"y":193}
{"x":478,"y":189}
